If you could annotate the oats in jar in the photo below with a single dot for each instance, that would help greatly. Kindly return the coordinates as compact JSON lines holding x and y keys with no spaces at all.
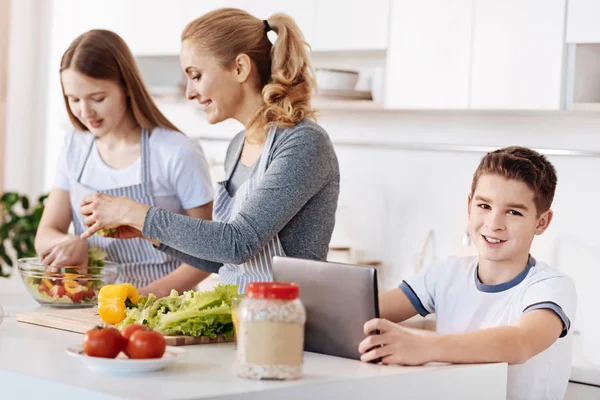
{"x":270,"y":344}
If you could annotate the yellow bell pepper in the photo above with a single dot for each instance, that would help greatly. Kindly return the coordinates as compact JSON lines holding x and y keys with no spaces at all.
{"x":70,"y":284}
{"x":46,"y":282}
{"x":113,"y":299}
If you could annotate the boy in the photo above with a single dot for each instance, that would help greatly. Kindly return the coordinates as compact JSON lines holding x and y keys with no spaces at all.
{"x":503,"y":306}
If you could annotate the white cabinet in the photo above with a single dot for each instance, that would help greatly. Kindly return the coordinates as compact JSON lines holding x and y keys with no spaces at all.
{"x":517,"y":60}
{"x":351,"y":25}
{"x":582,"y":21}
{"x":150,"y":27}
{"x":153,"y":26}
{"x":428,"y":60}
{"x":303,"y":12}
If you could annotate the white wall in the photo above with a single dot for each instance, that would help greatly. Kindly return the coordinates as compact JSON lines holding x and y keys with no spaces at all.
{"x":26,"y":103}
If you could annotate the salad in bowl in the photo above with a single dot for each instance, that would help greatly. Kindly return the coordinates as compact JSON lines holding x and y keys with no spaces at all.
{"x":68,"y":286}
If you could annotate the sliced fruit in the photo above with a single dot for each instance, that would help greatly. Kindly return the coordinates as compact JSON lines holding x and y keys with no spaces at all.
{"x":76,"y":297}
{"x":58,"y":291}
{"x":73,"y":287}
{"x":43,"y":288}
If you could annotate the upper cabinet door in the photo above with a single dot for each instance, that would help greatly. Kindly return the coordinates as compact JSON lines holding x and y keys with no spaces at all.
{"x":518,"y":54}
{"x":197,"y":8}
{"x":154,"y":26}
{"x":351,"y":25}
{"x":149,"y":27}
{"x":428,"y":59}
{"x":303,"y":12}
{"x":582,"y":21}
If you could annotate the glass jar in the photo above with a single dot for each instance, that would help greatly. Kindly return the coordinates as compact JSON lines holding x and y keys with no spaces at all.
{"x":235,"y":306}
{"x":270,"y":344}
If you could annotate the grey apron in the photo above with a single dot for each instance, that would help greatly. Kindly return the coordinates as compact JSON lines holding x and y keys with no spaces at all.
{"x":140,"y":262}
{"x":257,"y":268}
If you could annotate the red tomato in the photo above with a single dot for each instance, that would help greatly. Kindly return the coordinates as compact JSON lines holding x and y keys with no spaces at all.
{"x":76,"y":297}
{"x":146,"y":344}
{"x":128,"y":331}
{"x":103,"y":342}
{"x":42,"y":288}
{"x":57,"y":291}
{"x":89,"y":294}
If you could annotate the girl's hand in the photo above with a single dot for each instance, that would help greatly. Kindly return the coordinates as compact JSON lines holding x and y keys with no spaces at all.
{"x":104,"y":212}
{"x":70,"y":252}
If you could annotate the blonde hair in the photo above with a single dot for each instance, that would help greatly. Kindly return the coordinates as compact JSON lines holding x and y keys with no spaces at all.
{"x":103,"y":54}
{"x":286,"y":76}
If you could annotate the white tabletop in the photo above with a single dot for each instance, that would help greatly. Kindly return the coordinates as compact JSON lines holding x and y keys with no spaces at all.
{"x":33,"y":363}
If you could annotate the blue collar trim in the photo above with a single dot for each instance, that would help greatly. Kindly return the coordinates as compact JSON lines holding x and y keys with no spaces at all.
{"x":482,"y":287}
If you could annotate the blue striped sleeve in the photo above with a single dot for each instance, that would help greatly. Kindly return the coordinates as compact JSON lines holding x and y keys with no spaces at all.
{"x":557,"y":309}
{"x":414,"y":299}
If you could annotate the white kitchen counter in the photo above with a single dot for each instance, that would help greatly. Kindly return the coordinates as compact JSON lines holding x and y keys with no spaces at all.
{"x":33,"y":363}
{"x":583,"y":370}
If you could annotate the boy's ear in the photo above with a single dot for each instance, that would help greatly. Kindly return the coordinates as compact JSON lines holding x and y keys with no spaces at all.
{"x":543,"y":222}
{"x":469,"y":199}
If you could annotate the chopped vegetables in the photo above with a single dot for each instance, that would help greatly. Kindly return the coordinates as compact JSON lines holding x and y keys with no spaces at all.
{"x":106,"y":232}
{"x":113,"y":300}
{"x":190,"y":314}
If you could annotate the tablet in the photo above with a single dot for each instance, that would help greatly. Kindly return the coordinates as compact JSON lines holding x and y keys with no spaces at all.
{"x":339,"y":299}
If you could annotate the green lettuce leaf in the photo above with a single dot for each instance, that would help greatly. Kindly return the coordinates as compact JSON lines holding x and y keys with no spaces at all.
{"x":189,"y":314}
{"x":96,"y":257}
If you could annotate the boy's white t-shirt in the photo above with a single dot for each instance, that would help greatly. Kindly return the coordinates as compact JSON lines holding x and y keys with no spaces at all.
{"x":462,"y":303}
{"x":179,"y":173}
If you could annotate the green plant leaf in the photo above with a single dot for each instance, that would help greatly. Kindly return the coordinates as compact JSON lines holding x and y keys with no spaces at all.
{"x":9,"y":199}
{"x":18,"y":226}
{"x":4,"y":256}
{"x":25,"y":202}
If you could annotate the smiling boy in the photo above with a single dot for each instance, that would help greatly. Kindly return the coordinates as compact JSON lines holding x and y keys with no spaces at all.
{"x":502,"y":306}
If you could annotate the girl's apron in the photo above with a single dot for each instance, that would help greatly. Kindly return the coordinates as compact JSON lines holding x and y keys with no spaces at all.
{"x":140,"y":263}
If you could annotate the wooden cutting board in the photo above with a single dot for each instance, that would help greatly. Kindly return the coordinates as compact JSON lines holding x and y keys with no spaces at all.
{"x":81,"y":320}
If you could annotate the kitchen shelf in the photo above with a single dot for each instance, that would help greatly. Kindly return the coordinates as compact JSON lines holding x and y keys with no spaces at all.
{"x":586,"y":107}
{"x":346,"y":105}
{"x":583,"y":77}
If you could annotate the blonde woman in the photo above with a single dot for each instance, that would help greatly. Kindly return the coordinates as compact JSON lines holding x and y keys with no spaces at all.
{"x":122,"y":145}
{"x":282,"y":185}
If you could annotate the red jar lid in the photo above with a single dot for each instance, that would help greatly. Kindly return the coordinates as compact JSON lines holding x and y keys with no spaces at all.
{"x":272,"y":290}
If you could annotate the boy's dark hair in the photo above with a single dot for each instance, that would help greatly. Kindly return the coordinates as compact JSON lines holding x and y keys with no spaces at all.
{"x":524,"y":165}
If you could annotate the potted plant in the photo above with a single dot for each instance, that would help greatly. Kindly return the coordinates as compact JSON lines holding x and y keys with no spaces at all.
{"x":18,"y":226}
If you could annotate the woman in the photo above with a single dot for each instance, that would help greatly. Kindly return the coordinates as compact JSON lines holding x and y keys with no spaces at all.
{"x":282,"y":185}
{"x":123,"y":146}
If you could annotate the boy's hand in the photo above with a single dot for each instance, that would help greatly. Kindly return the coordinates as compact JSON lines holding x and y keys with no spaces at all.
{"x":395,"y":344}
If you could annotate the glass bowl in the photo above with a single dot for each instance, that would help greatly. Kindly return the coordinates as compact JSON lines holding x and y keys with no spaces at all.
{"x":65,"y":287}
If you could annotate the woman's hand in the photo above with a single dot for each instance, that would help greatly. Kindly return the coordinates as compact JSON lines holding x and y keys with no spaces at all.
{"x":104,"y":212}
{"x":70,"y":252}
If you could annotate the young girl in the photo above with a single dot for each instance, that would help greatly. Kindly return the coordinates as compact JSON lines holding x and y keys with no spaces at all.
{"x":123,"y":146}
{"x":282,"y":185}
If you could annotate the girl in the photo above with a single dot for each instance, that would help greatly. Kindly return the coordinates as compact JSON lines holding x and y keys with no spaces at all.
{"x":282,"y":185}
{"x":123,"y":146}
